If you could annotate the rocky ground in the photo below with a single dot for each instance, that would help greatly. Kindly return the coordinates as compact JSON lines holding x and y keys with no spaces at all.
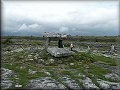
{"x":67,"y":82}
{"x":6,"y":74}
{"x":32,"y":68}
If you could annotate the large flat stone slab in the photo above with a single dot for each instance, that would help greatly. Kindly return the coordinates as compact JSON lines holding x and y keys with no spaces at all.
{"x":59,"y":52}
{"x":53,"y":34}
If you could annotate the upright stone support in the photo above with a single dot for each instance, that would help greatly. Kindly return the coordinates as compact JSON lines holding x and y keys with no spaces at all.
{"x":60,"y":45}
{"x":49,"y":39}
{"x":47,"y":42}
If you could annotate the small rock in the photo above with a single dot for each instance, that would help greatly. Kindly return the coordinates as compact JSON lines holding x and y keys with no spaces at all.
{"x":18,"y":85}
{"x":51,"y":60}
{"x":40,"y":61}
{"x":71,"y":64}
{"x":87,"y":67}
{"x":17,"y":78}
{"x":47,"y":73}
{"x":29,"y":56}
{"x":112,"y":76}
{"x":31,"y":71}
{"x":30,"y":59}
{"x":22,"y":67}
{"x":81,"y":75}
{"x":60,"y":61}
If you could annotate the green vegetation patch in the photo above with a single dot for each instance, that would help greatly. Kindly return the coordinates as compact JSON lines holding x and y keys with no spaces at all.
{"x":97,"y":71}
{"x":84,"y":57}
{"x":106,"y":60}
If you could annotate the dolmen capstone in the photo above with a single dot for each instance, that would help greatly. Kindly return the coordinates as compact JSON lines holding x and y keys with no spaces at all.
{"x":59,"y":52}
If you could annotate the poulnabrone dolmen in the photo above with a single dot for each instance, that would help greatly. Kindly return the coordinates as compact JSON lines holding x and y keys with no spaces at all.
{"x":56,"y":51}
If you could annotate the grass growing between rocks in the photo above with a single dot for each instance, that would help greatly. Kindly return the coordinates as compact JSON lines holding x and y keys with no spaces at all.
{"x":82,"y":63}
{"x":23,"y":74}
{"x":105,"y":60}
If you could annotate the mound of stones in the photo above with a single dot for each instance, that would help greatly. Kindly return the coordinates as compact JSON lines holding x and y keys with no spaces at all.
{"x":45,"y":83}
{"x":5,"y":78}
{"x":70,"y":83}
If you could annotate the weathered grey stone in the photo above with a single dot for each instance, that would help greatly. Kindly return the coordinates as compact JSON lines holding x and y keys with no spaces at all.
{"x":112,"y":76}
{"x":31,"y":71}
{"x":59,"y":52}
{"x":53,"y":34}
{"x":36,"y":56}
{"x":88,"y":84}
{"x":45,"y":83}
{"x":30,"y":59}
{"x":108,"y":85}
{"x":82,"y":75}
{"x":5,"y":84}
{"x":5,"y":75}
{"x":22,"y":67}
{"x":71,"y":84}
{"x":18,"y":50}
{"x":71,"y":64}
{"x":40,"y":61}
{"x":30,"y":56}
{"x":51,"y":60}
{"x":18,"y":85}
{"x":47,"y":73}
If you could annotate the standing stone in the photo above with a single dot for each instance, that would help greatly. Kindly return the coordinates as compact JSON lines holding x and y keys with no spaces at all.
{"x":71,"y":46}
{"x":88,"y":49}
{"x":112,"y":48}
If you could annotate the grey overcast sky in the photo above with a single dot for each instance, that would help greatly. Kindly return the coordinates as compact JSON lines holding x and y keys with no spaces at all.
{"x":70,"y":17}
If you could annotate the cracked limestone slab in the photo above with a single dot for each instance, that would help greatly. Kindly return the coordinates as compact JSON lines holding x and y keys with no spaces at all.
{"x":59,"y":52}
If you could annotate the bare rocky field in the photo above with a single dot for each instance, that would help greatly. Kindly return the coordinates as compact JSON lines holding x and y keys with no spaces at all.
{"x":25,"y":64}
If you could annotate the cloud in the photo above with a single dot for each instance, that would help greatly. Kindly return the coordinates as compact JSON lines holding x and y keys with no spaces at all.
{"x":23,"y":27}
{"x":33,"y":26}
{"x":29,"y":27}
{"x":78,"y":17}
{"x":63,"y":29}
